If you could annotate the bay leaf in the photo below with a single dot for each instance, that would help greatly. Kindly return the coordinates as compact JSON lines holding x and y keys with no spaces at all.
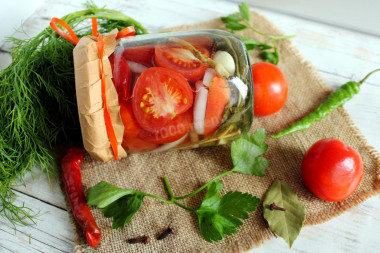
{"x":286,"y":224}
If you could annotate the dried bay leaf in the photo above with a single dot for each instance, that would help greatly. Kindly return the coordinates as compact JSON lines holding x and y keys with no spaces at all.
{"x":288,"y":223}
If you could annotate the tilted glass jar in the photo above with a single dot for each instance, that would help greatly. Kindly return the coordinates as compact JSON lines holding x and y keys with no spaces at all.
{"x":182,"y":90}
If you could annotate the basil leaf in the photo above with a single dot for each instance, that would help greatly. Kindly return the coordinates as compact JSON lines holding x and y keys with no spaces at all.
{"x":288,"y":223}
{"x":220,"y":216}
{"x":245,"y":154}
{"x":244,"y":11}
{"x":120,"y":204}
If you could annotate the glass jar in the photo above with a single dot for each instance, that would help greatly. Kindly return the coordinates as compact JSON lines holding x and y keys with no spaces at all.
{"x":182,"y":90}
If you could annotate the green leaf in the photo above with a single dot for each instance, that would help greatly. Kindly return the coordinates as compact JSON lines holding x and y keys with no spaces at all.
{"x":123,"y":209}
{"x":103,"y":193}
{"x":234,"y":18}
{"x":288,"y":223}
{"x":245,"y":154}
{"x":251,"y":44}
{"x":116,"y":203}
{"x":271,"y":57}
{"x":244,"y":11}
{"x":235,"y":26}
{"x":220,"y":216}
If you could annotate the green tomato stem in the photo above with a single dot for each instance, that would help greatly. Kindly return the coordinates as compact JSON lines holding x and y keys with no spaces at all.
{"x":204,"y":186}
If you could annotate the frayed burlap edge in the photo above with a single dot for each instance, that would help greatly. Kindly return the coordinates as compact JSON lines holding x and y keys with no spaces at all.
{"x":289,"y":45}
{"x":256,"y":240}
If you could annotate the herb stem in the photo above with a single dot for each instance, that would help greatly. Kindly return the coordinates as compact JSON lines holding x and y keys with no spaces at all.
{"x":172,"y":198}
{"x":183,"y":206}
{"x":267,"y":35}
{"x":167,"y":185}
{"x":204,"y":186}
{"x":156,"y":197}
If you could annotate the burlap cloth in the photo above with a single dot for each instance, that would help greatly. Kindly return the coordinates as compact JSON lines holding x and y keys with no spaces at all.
{"x":189,"y":169}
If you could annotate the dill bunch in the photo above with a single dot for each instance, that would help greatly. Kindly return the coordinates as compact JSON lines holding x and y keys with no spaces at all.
{"x":38,"y":105}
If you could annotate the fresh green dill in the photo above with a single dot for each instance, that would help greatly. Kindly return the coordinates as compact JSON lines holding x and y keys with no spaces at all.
{"x":38,"y":105}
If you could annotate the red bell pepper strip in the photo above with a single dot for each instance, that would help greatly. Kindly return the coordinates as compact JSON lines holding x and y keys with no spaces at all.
{"x":107,"y":113}
{"x":74,"y":189}
{"x":94,"y":25}
{"x":71,"y":37}
{"x":126,"y":32}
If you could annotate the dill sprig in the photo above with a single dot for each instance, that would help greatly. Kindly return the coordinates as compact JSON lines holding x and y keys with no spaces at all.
{"x":38,"y":104}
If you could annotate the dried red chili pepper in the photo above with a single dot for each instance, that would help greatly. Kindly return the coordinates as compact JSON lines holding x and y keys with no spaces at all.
{"x":74,"y":189}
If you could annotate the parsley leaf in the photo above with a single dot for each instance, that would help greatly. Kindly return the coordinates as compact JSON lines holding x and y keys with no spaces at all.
{"x":235,"y":17}
{"x":251,"y":44}
{"x":271,"y":57}
{"x":244,"y":11}
{"x":246,"y":151}
{"x":241,"y":20}
{"x":235,"y":26}
{"x":120,"y":204}
{"x":220,"y":216}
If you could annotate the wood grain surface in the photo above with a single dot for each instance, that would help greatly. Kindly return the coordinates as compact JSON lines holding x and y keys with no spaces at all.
{"x":339,"y":55}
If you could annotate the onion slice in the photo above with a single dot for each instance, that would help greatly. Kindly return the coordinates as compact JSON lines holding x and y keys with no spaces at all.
{"x":170,"y":145}
{"x":200,"y":104}
{"x":209,"y":75}
{"x":136,"y":67}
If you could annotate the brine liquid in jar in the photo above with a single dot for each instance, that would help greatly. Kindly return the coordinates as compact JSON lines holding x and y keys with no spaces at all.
{"x":182,"y":90}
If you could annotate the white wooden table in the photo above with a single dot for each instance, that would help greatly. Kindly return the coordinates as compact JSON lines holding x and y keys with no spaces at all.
{"x":339,"y":54}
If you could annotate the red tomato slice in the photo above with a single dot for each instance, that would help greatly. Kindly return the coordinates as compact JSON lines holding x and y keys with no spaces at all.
{"x":159,"y":95}
{"x":122,"y":76}
{"x":218,"y":97}
{"x":172,"y":131}
{"x":181,"y":60}
{"x":141,"y":54}
{"x":131,"y":141}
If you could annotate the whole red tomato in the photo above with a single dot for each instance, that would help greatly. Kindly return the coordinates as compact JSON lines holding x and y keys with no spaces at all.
{"x":332,"y":170}
{"x":270,"y":88}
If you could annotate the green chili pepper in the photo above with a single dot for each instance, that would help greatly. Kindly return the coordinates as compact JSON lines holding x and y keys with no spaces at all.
{"x":335,"y":100}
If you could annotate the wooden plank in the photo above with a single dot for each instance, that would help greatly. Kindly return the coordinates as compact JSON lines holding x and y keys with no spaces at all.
{"x":355,"y":15}
{"x":40,"y":187}
{"x":52,"y":232}
{"x":332,"y":50}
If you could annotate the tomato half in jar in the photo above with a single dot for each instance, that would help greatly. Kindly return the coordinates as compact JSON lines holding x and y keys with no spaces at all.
{"x":159,"y":95}
{"x":174,"y":130}
{"x":140,"y":54}
{"x":181,"y":60}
